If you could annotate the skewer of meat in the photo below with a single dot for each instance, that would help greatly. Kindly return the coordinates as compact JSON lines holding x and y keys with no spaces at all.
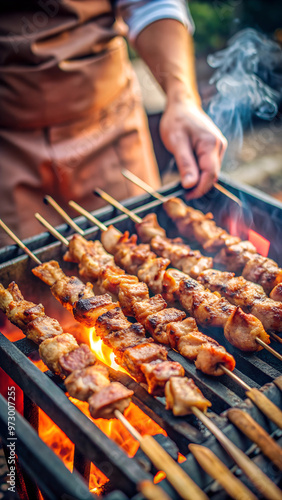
{"x":241,"y":330}
{"x":270,"y":410}
{"x":87,"y":379}
{"x":237,"y":290}
{"x":233,"y":254}
{"x":164,"y":324}
{"x":84,"y":378}
{"x":176,"y":389}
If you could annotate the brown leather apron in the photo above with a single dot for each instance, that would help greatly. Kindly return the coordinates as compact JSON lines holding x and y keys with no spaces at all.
{"x":71,"y":114}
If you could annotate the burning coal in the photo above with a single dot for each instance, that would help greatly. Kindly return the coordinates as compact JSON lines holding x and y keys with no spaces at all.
{"x":248,"y":79}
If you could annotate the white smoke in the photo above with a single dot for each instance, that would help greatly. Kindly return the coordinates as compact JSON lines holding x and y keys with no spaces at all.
{"x":248,"y":79}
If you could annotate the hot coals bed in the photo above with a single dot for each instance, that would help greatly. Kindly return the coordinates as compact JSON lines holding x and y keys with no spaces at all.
{"x":64,"y":423}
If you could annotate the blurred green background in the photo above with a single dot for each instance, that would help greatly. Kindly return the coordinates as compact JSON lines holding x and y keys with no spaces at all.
{"x":218,"y":20}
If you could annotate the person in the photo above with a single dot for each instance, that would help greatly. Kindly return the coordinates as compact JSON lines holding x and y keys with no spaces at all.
{"x":71,"y":113}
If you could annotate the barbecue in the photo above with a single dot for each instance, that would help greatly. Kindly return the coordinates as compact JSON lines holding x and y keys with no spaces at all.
{"x":242,"y":358}
{"x":181,"y":393}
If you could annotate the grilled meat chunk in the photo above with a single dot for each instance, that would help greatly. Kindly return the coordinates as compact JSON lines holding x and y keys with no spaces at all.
{"x":158,"y":373}
{"x":249,"y":296}
{"x":119,"y":340}
{"x":186,"y":338}
{"x":110,"y":239}
{"x":113,"y":320}
{"x":79,"y":358}
{"x":241,"y":330}
{"x":67,"y":289}
{"x":133,"y":357}
{"x":149,"y":228}
{"x":129,"y":294}
{"x":152,"y":273}
{"x":103,"y":404}
{"x":112,"y":278}
{"x":43,"y":328}
{"x":90,"y":255}
{"x":182,"y":394}
{"x":157,"y":323}
{"x":189,"y":261}
{"x":263,"y":271}
{"x":147,"y":307}
{"x":206,"y":307}
{"x":81,"y":384}
{"x":198,"y":226}
{"x":171,"y":283}
{"x":235,"y":257}
{"x":19,"y":311}
{"x":87,"y":311}
{"x":52,"y":349}
{"x":212,"y":357}
{"x":276,"y":293}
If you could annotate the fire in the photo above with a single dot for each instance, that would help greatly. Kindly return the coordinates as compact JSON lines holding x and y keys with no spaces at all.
{"x":64,"y":448}
{"x":262,"y":244}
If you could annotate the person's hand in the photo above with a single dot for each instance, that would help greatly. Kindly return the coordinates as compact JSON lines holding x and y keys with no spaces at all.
{"x":196,"y":143}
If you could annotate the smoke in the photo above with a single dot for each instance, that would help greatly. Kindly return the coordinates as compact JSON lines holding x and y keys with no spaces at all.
{"x":248,"y":79}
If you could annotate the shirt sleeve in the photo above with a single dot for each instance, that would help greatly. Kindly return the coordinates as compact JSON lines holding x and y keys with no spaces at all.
{"x":138,"y":14}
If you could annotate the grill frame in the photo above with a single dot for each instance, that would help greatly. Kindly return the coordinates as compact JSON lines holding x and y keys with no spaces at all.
{"x":15,"y":265}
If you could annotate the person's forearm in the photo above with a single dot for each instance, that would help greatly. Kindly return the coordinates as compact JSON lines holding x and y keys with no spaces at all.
{"x":167,"y":48}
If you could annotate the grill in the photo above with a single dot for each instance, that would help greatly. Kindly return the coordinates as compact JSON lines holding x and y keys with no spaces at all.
{"x":38,"y":467}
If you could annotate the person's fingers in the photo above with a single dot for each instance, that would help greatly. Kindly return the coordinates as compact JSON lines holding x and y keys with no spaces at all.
{"x":209,"y":165}
{"x":186,"y":163}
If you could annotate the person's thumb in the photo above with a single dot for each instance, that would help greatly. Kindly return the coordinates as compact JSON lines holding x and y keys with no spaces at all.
{"x":187,"y":165}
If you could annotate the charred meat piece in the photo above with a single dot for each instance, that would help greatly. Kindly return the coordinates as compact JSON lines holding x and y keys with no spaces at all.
{"x":212,"y":357}
{"x":149,"y":228}
{"x":131,"y":256}
{"x":249,"y":296}
{"x":113,"y":320}
{"x":87,"y":311}
{"x":152,"y":273}
{"x":186,"y":338}
{"x":276,"y":293}
{"x":119,"y":340}
{"x":90,"y":255}
{"x":263,"y":271}
{"x":235,"y":257}
{"x":189,"y":261}
{"x":182,"y":394}
{"x":81,"y":384}
{"x":79,"y":358}
{"x":133,"y":357}
{"x":206,"y":307}
{"x":198,"y":226}
{"x":147,"y":307}
{"x":157,"y":323}
{"x":19,"y":311}
{"x":158,"y":373}
{"x":171,"y":282}
{"x":103,"y":404}
{"x":241,"y":330}
{"x":51,"y":350}
{"x":43,"y":328}
{"x":130,"y":293}
{"x":111,"y":278}
{"x":68,"y":290}
{"x":110,"y":239}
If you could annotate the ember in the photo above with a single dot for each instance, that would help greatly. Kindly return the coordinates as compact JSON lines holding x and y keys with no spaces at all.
{"x":262,"y":244}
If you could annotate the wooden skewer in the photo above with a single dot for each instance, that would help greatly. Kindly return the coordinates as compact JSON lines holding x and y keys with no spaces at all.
{"x":218,"y":471}
{"x":252,"y":471}
{"x":156,"y":453}
{"x":181,"y":482}
{"x":19,"y":242}
{"x":143,"y":185}
{"x":138,"y":219}
{"x":258,"y":398}
{"x":257,"y":434}
{"x":50,"y":201}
